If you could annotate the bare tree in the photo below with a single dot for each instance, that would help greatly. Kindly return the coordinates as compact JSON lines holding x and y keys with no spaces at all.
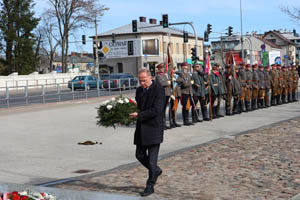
{"x":71,"y":15}
{"x":293,"y":12}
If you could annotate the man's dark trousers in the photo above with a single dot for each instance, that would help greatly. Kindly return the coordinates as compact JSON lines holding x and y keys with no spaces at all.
{"x":147,"y":155}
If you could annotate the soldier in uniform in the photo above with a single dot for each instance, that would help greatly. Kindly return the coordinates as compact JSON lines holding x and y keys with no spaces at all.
{"x":215,"y":81}
{"x":280,"y":74}
{"x":284,"y":84}
{"x":255,"y":84}
{"x":222,"y":89}
{"x":164,"y":80}
{"x":295,"y":83}
{"x":249,"y":77}
{"x":290,"y":84}
{"x":243,"y":84}
{"x":236,"y":91}
{"x":175,"y":98}
{"x":199,"y":93}
{"x":267,"y":85}
{"x":274,"y":84}
{"x":229,"y":85}
{"x":261,"y":86}
{"x":185,"y":82}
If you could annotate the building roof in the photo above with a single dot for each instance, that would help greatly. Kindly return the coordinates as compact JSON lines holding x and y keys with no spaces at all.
{"x":271,"y":44}
{"x":291,"y":36}
{"x":127,"y":29}
{"x":280,"y":36}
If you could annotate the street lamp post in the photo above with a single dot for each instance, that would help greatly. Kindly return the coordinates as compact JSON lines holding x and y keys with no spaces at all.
{"x":241,"y":17}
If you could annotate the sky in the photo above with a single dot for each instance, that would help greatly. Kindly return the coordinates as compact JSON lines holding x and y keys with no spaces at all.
{"x":257,"y":15}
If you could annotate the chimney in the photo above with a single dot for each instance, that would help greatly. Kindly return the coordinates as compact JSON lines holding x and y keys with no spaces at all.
{"x":143,"y":19}
{"x":161,"y":23}
{"x":152,"y":21}
{"x":294,"y":32}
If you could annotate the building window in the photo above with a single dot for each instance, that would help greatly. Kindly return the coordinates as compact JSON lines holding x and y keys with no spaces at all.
{"x":120,"y":67}
{"x":130,"y":48}
{"x":177,"y":48}
{"x":272,"y":40}
{"x":151,"y":47}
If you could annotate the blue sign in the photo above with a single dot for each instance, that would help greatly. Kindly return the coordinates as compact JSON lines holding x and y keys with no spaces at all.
{"x":286,"y":56}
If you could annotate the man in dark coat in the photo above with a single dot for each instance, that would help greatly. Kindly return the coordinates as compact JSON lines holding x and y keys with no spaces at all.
{"x":150,"y":98}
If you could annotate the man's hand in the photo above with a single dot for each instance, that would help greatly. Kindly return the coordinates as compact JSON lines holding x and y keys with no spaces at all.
{"x":135,"y":114}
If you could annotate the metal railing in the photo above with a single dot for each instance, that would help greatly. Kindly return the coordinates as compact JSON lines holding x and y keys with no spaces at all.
{"x":58,"y":92}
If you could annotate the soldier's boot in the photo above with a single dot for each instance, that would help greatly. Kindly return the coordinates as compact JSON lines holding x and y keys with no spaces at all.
{"x":198,"y":115}
{"x":259,"y":103}
{"x":187,"y":117}
{"x":289,"y":98}
{"x":204,"y":113}
{"x":214,"y":116}
{"x":240,"y":107}
{"x":254,"y":105}
{"x":283,"y":100}
{"x":294,"y":97}
{"x":218,"y":112}
{"x":166,"y":127}
{"x":247,"y":104}
{"x":267,"y":103}
{"x":184,"y":118}
{"x":273,"y":101}
{"x":194,"y":120}
{"x":227,"y":110}
{"x":278,"y":99}
{"x":243,"y":106}
{"x":235,"y":109}
{"x":174,"y":123}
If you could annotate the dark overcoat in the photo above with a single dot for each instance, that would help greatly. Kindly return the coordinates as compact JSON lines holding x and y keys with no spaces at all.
{"x":149,"y":127}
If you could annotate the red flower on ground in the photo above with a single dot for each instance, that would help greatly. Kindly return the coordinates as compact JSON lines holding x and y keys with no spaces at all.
{"x":24,"y":198}
{"x":131,"y":101}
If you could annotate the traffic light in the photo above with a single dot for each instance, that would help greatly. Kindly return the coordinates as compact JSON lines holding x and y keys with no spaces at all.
{"x":134,"y":26}
{"x":230,"y":30}
{"x":113,"y":35}
{"x":83,"y":39}
{"x":185,"y":37}
{"x":205,"y":36}
{"x":165,"y":21}
{"x":194,"y":54}
{"x":208,"y":29}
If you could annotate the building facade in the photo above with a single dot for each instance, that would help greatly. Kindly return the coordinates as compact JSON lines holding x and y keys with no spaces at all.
{"x":121,"y":50}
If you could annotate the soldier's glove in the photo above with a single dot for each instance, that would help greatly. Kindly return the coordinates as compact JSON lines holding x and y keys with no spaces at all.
{"x":172,"y":97}
{"x":169,"y":82}
{"x":192,"y":81}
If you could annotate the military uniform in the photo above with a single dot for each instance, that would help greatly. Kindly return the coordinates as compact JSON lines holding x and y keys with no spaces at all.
{"x":255,"y":86}
{"x":229,"y":87}
{"x":185,"y":83}
{"x":267,"y":77}
{"x":243,"y":84}
{"x":164,"y":80}
{"x":199,"y":94}
{"x":274,"y":85}
{"x":295,"y":83}
{"x":284,"y":84}
{"x":216,"y":92}
{"x":174,"y":99}
{"x":262,"y":87}
{"x":236,"y":92}
{"x":249,"y":77}
{"x":280,"y":74}
{"x":290,"y":84}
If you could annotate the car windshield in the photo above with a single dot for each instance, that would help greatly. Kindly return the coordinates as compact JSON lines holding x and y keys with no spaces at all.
{"x":79,"y":78}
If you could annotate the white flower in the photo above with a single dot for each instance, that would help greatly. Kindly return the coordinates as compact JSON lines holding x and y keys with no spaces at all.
{"x":105,"y":102}
{"x":126,"y":101}
{"x":120,"y":101}
{"x":24,"y":193}
{"x":109,"y":107}
{"x":113,"y":99}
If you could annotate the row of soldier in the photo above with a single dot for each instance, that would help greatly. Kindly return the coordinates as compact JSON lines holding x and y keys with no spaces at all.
{"x":244,"y":88}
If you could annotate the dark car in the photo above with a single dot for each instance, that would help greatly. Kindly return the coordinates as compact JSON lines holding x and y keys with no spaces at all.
{"x":102,"y":78}
{"x":83,"y":82}
{"x":120,"y":81}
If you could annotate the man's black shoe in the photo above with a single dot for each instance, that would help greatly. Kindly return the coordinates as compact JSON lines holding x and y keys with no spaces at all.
{"x":148,"y":190}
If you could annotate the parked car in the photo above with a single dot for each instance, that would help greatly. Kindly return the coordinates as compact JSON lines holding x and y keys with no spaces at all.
{"x":102,"y":78}
{"x":80,"y":82}
{"x":120,"y":81}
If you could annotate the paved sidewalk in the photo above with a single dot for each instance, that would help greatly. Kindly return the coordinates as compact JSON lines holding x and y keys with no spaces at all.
{"x":43,"y":139}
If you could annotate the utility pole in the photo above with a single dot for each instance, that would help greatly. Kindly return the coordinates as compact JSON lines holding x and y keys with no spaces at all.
{"x":96,"y":64}
{"x":242,"y":42}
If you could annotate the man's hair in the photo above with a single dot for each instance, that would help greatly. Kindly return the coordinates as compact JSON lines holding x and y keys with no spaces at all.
{"x":144,"y":71}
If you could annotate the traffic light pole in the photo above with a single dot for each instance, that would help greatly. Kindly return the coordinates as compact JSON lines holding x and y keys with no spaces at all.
{"x":96,"y":64}
{"x":195,"y":32}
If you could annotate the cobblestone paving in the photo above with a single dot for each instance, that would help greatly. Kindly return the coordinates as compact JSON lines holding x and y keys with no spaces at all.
{"x":262,"y":164}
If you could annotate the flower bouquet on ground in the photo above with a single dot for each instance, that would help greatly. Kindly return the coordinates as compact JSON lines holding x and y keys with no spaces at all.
{"x":26,"y":195}
{"x":116,"y":111}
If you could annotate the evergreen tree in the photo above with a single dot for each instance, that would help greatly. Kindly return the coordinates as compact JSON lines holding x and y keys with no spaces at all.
{"x":17,"y":23}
